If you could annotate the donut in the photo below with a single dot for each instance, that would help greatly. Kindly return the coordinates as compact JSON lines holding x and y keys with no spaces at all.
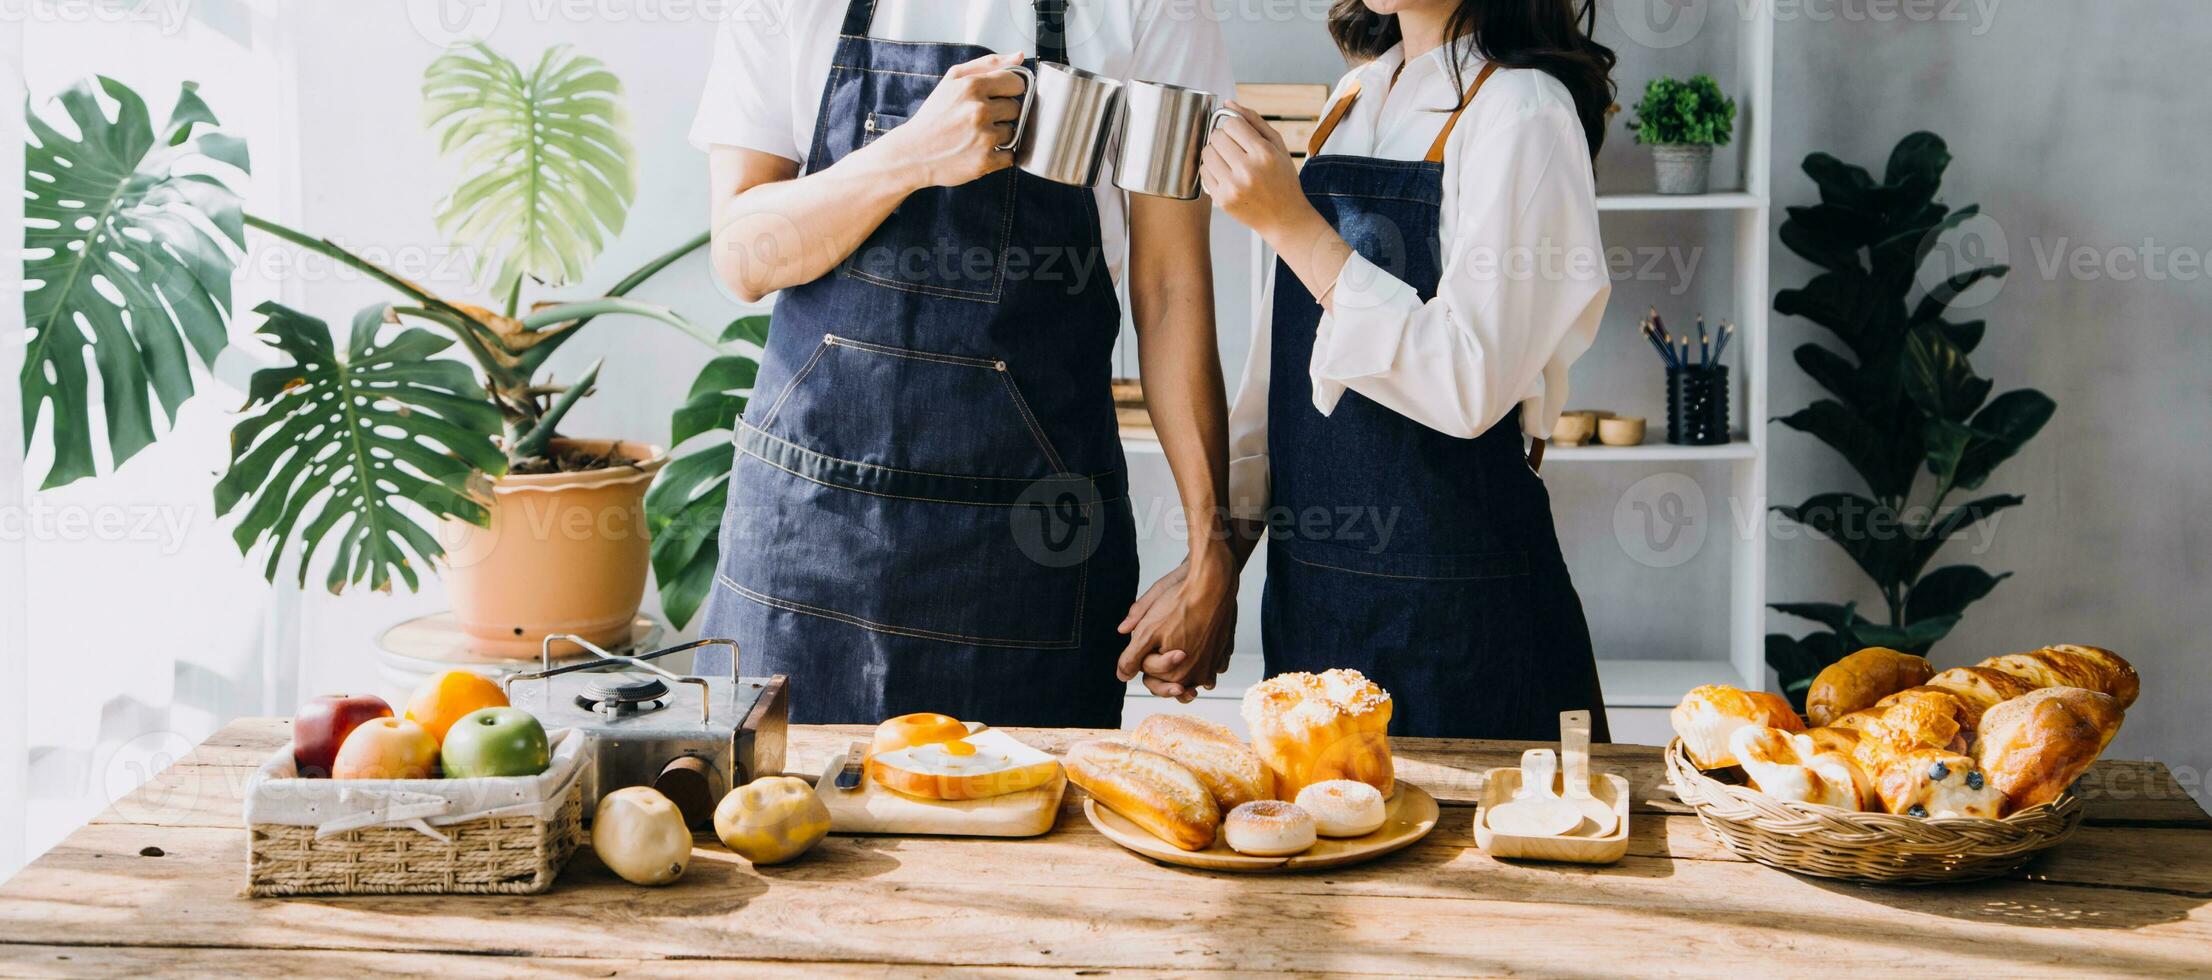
{"x":1269,"y":828}
{"x":1343,"y":807}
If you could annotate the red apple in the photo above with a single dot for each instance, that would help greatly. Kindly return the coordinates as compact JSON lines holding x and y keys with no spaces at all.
{"x":323,"y":724}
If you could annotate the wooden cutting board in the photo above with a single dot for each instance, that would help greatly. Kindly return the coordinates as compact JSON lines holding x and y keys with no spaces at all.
{"x":872,"y":809}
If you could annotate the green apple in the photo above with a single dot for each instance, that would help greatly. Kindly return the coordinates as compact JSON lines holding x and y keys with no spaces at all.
{"x":495,"y":742}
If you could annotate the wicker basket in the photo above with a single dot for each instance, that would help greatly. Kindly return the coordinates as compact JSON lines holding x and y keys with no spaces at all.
{"x":515,"y":849}
{"x":1880,"y":848}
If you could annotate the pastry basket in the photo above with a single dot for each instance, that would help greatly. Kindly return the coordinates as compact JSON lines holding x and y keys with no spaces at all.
{"x":1877,"y":848}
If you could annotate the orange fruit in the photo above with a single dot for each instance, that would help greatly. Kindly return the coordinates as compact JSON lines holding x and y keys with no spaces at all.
{"x":443,"y":699}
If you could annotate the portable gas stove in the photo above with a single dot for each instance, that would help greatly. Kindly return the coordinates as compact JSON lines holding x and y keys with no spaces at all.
{"x":692,"y":738}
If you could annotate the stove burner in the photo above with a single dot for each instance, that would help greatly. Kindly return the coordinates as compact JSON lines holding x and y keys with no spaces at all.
{"x":623,"y":693}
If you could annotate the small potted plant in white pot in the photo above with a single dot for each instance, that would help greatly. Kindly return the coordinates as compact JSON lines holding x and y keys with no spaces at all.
{"x":1682,"y":122}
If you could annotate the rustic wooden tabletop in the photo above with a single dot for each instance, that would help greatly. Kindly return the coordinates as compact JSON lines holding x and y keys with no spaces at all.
{"x":153,"y":886}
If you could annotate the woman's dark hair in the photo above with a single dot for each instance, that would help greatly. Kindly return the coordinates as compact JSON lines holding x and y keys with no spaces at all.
{"x":1551,"y":35}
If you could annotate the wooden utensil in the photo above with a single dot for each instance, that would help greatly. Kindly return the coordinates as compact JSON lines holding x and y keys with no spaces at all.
{"x":871,"y":808}
{"x":1537,"y":811}
{"x":1574,"y":744}
{"x":1409,"y":815}
{"x":1499,"y":787}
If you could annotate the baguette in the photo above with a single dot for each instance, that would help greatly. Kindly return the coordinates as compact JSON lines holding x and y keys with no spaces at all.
{"x":1230,"y":769}
{"x":1155,"y":792}
{"x":2071,"y":665}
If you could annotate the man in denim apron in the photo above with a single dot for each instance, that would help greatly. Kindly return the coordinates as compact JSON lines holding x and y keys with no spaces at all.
{"x":929,"y":509}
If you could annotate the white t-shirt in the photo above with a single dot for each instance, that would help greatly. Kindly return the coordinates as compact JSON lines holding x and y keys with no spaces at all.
{"x":772,"y":58}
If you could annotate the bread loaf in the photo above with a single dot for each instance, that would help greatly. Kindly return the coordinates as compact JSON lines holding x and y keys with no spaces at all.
{"x":1709,"y":715}
{"x":1230,"y":769}
{"x":1858,"y":681}
{"x":1980,"y":689}
{"x":1308,"y":728}
{"x":1913,"y":720}
{"x":1789,"y":766}
{"x":1930,"y":782}
{"x":2071,"y":665}
{"x":2035,"y":745}
{"x":1155,"y":792}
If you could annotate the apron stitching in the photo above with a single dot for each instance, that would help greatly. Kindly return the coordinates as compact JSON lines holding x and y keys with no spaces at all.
{"x":1410,"y":578}
{"x":877,"y":493}
{"x":1036,"y":429}
{"x":793,"y":384}
{"x":959,"y":360}
{"x":779,"y":440}
{"x":850,"y":619}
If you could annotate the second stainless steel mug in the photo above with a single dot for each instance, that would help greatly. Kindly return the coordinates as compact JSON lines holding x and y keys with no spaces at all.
{"x":1164,"y":129}
{"x":1067,"y":123}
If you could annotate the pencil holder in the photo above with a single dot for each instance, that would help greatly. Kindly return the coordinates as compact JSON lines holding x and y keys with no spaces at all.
{"x":1697,"y":406}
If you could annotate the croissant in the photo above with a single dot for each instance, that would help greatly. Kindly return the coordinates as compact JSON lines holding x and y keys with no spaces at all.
{"x":1861,"y":679}
{"x":1790,"y":766}
{"x":2036,"y":745}
{"x":1979,"y":688}
{"x":1912,"y":720}
{"x":1709,"y":715}
{"x":2071,"y":665}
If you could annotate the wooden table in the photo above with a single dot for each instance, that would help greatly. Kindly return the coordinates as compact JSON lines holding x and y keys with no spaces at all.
{"x":153,"y":885}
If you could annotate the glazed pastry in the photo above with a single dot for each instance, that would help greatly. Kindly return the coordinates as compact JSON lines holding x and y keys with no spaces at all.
{"x":2069,"y":665}
{"x":1861,"y":679}
{"x":1343,"y":807}
{"x":1708,"y":715}
{"x":1789,"y":766}
{"x":1269,"y":828}
{"x":1155,"y":792}
{"x":2036,"y":745}
{"x":1309,"y":728}
{"x":1230,"y":769}
{"x":1980,"y":688}
{"x":1914,"y":720}
{"x":1838,"y":740}
{"x":1935,"y":783}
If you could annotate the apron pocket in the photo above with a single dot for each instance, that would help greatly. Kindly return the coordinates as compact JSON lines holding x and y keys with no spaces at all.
{"x":913,"y":410}
{"x":948,"y":242}
{"x":1428,"y":568}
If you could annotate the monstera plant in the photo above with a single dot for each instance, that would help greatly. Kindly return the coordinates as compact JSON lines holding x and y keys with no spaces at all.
{"x":351,"y":451}
{"x":1905,"y":408}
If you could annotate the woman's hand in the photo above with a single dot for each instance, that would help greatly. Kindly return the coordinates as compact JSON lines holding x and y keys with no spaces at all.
{"x":955,"y":136}
{"x":1182,"y":631}
{"x":1248,"y":171}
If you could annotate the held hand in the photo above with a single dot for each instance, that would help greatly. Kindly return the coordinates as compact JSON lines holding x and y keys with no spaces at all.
{"x":1182,"y":631}
{"x":955,"y":136}
{"x":1248,"y":171}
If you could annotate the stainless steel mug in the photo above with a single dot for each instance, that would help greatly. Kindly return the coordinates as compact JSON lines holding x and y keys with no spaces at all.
{"x":1164,"y":129}
{"x":1067,"y":123}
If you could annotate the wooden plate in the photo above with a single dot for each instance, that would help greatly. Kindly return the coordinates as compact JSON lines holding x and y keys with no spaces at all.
{"x":1409,"y":816}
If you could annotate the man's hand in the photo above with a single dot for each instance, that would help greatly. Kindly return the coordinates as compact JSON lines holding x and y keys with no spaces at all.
{"x":1182,"y":631}
{"x":955,"y":136}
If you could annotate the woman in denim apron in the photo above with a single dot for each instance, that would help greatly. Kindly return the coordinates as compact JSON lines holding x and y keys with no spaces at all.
{"x":1410,"y":536}
{"x":929,"y":508}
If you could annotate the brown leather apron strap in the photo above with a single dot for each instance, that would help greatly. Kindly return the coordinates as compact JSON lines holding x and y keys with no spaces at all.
{"x":1536,"y":456}
{"x":1328,"y":122}
{"x":1436,"y":150}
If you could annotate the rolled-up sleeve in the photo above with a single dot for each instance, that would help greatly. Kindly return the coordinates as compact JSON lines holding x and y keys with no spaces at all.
{"x":1524,"y":286}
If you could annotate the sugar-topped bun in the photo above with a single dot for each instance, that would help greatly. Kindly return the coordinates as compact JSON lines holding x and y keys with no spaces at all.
{"x":1309,"y":728}
{"x":1343,"y":807}
{"x":1269,"y":828}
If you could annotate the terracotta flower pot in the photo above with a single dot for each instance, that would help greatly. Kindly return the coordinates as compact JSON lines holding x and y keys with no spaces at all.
{"x":565,"y":553}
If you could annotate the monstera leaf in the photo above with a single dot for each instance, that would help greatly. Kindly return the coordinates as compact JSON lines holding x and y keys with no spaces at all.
{"x":684,"y":508}
{"x":355,"y":444}
{"x":547,"y":171}
{"x":118,"y":264}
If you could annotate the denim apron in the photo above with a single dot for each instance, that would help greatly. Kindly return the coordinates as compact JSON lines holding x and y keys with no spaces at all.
{"x":1427,"y":562}
{"x":929,"y":509}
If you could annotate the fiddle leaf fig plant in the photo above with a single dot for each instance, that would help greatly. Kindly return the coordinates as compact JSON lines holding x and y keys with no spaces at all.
{"x":1903,"y":399}
{"x":355,"y":446}
{"x":119,"y":264}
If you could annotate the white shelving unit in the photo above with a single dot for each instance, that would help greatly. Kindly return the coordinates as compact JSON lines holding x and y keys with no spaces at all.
{"x":1639,"y":692}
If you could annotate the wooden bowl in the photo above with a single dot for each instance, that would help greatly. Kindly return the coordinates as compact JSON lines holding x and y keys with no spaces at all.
{"x":1574,"y":428}
{"x":1627,"y":430}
